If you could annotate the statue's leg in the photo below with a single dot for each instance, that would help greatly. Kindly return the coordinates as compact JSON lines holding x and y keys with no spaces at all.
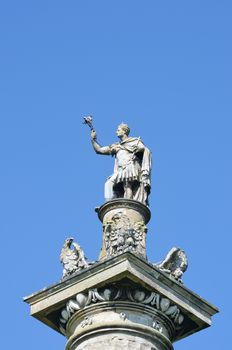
{"x":128,"y":193}
{"x":109,"y":191}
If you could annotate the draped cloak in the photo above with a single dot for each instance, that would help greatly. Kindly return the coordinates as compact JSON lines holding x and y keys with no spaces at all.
{"x":132,"y":164}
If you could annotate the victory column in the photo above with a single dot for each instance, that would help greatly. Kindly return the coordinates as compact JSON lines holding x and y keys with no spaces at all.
{"x":122,"y":301}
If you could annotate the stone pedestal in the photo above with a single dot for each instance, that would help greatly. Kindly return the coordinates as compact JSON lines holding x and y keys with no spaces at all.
{"x":121,"y":302}
{"x":124,"y":227}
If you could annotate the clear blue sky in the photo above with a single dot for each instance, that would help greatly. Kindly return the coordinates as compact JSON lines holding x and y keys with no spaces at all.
{"x":164,"y":67}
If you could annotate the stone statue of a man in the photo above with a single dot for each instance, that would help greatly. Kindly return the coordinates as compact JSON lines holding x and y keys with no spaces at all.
{"x":132,"y":171}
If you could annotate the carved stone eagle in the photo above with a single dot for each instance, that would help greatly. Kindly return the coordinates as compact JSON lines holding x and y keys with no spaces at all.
{"x":175,"y":263}
{"x":72,"y":259}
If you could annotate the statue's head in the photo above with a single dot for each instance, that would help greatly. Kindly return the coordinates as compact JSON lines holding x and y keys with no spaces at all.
{"x":69,"y":240}
{"x":123,"y":129}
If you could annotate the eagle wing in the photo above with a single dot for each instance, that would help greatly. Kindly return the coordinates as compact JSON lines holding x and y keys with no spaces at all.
{"x":175,"y":263}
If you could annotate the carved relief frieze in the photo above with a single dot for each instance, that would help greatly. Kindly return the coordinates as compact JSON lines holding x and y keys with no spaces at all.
{"x":121,"y":235}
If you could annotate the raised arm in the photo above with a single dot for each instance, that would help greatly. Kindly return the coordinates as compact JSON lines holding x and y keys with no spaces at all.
{"x":98,"y":149}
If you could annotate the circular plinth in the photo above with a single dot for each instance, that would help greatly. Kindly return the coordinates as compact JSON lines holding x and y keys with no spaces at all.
{"x":122,"y":203}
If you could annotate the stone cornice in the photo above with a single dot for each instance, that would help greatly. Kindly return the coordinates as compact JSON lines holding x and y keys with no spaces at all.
{"x":47,"y":304}
{"x":123,"y":260}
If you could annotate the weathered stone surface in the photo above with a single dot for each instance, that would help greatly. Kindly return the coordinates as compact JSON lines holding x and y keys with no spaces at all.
{"x":136,"y":210}
{"x":130,"y":296}
{"x":124,"y":227}
{"x":114,"y":340}
{"x":121,"y":317}
{"x":126,"y":314}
